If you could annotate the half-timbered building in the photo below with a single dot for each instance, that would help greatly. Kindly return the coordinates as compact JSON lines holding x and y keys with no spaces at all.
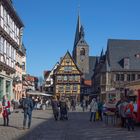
{"x":67,"y":78}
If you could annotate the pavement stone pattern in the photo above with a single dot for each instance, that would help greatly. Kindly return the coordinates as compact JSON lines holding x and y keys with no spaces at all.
{"x":78,"y":127}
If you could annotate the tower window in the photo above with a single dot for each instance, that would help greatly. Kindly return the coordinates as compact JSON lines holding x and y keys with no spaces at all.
{"x":82,"y":51}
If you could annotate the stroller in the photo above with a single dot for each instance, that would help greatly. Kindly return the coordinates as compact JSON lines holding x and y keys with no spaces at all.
{"x":63,"y":111}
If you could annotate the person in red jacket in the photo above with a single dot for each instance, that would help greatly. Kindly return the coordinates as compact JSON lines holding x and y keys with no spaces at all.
{"x":6,"y":110}
{"x":129,"y":111}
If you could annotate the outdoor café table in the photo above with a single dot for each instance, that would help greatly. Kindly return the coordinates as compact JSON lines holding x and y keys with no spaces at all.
{"x":110,"y":117}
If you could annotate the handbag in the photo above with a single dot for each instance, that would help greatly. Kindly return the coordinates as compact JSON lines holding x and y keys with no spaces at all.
{"x":8,"y":111}
{"x":97,"y":115}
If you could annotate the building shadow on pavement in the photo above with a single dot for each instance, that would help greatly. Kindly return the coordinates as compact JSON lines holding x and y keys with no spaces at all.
{"x":56,"y":130}
{"x":77,"y":127}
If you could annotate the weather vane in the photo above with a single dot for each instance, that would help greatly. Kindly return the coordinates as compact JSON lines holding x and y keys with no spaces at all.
{"x":78,"y":9}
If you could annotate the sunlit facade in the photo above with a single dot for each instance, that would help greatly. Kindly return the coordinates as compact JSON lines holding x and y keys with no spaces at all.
{"x":11,"y":28}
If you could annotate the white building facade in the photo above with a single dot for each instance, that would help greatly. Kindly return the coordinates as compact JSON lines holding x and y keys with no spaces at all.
{"x":10,"y":43}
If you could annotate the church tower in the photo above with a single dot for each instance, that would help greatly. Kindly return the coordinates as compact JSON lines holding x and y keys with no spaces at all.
{"x":81,"y":50}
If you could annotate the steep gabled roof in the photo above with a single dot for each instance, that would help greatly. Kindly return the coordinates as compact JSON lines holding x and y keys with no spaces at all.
{"x":67,"y":55}
{"x":9,"y":5}
{"x":46,"y":73}
{"x":52,"y":71}
{"x":118,"y":49}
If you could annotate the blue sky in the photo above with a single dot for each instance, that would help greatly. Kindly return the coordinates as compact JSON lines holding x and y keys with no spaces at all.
{"x":50,"y":27}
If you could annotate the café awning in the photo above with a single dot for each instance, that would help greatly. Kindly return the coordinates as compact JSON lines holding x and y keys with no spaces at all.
{"x":38,"y":93}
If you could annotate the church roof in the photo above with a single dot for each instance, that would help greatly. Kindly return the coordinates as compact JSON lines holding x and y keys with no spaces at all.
{"x":118,"y":50}
{"x":92,"y":62}
{"x":79,"y":34}
{"x":77,"y":31}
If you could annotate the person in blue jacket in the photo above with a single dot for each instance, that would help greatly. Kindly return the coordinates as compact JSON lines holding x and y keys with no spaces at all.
{"x":28,"y":108}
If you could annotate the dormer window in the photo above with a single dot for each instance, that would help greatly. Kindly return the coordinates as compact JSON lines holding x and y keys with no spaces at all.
{"x":137,"y":55}
{"x":126,"y":63}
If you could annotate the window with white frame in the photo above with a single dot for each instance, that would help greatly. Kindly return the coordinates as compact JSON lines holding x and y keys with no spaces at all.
{"x":1,"y":45}
{"x":12,"y":53}
{"x":7,"y":50}
{"x":4,"y":46}
{"x":121,"y":77}
{"x":8,"y":25}
{"x":65,"y":78}
{"x":70,"y":78}
{"x":67,"y":68}
{"x":68,"y":88}
{"x":133,"y":77}
{"x":23,"y":65}
{"x":75,"y":87}
{"x":128,"y":77}
{"x":138,"y":76}
{"x":61,"y":88}
{"x":1,"y":11}
{"x":10,"y":50}
{"x":117,"y":77}
{"x":59,"y":78}
{"x":77,"y":78}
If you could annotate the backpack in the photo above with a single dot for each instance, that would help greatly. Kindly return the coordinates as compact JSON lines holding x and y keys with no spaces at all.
{"x":128,"y":111}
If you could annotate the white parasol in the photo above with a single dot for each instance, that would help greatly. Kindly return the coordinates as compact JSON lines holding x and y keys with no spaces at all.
{"x":38,"y":93}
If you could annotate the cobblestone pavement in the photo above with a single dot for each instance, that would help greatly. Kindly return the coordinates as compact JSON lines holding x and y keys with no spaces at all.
{"x":77,"y":127}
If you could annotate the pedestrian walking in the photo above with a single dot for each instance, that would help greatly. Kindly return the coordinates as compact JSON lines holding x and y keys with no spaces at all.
{"x":21,"y":101}
{"x":28,"y":108}
{"x":84,"y":105}
{"x":93,"y":109}
{"x":68,"y":103}
{"x":129,"y":111}
{"x":122,"y":108}
{"x":73,"y":104}
{"x":55,"y":107}
{"x":63,"y":109}
{"x":100,"y":110}
{"x":6,"y":110}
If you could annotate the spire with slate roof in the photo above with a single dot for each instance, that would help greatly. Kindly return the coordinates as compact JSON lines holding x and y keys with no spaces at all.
{"x":77,"y":34}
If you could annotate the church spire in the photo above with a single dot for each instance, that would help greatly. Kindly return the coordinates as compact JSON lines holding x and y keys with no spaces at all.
{"x":78,"y":28}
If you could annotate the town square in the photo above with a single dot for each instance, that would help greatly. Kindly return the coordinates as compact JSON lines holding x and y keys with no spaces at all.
{"x":69,"y":70}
